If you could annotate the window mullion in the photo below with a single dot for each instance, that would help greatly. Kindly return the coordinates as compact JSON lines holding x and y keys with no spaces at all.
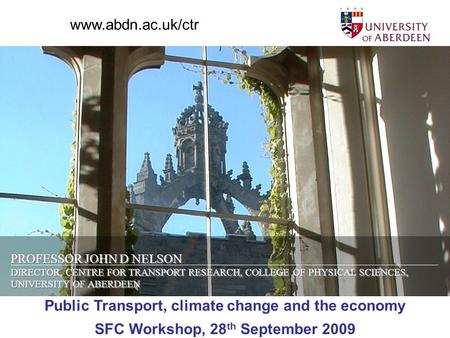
{"x":207,"y":166}
{"x":38,"y":198}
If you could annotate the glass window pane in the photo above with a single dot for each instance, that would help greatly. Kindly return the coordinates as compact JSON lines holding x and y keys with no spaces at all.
{"x":185,"y":51}
{"x":184,"y":259}
{"x":165,"y":164}
{"x":239,"y":160}
{"x":29,"y":227}
{"x":37,"y":98}
{"x":241,"y":264}
{"x":21,"y":276}
{"x":28,"y":218}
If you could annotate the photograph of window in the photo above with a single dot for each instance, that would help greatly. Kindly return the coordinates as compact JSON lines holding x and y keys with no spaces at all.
{"x":234,"y":171}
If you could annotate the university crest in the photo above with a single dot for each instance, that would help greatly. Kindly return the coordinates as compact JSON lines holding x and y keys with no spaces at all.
{"x":351,"y":23}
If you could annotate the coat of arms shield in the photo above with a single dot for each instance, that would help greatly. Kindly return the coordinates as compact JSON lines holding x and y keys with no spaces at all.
{"x":351,"y":23}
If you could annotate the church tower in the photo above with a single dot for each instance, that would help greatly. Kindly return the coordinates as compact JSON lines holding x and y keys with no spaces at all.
{"x":189,"y":138}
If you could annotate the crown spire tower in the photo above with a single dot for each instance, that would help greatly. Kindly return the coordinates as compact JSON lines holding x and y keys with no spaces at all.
{"x":187,"y":181}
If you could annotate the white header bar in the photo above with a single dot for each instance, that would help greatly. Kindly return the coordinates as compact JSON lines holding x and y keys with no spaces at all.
{"x":178,"y":22}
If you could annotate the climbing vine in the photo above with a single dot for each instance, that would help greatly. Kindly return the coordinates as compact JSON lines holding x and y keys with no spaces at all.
{"x":67,"y":214}
{"x":278,"y":204}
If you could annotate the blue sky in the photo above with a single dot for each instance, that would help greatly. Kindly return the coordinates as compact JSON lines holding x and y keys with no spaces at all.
{"x":36,"y":104}
{"x":37,"y":98}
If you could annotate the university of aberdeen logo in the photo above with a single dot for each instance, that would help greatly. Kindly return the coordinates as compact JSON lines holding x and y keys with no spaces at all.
{"x":351,"y":22}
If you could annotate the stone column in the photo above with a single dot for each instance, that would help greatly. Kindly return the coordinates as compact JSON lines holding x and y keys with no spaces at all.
{"x":294,"y":74}
{"x":112,"y":164}
{"x":309,"y":172}
{"x":88,"y":142}
{"x":375,"y":171}
{"x":102,"y":74}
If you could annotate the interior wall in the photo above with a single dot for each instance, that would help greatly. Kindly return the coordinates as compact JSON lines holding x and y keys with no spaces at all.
{"x":415,"y":109}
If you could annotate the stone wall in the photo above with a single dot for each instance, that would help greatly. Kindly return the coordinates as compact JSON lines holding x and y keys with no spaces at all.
{"x":231,"y":252}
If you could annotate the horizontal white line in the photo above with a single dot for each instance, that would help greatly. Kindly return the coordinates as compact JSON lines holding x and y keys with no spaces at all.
{"x":177,"y":265}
